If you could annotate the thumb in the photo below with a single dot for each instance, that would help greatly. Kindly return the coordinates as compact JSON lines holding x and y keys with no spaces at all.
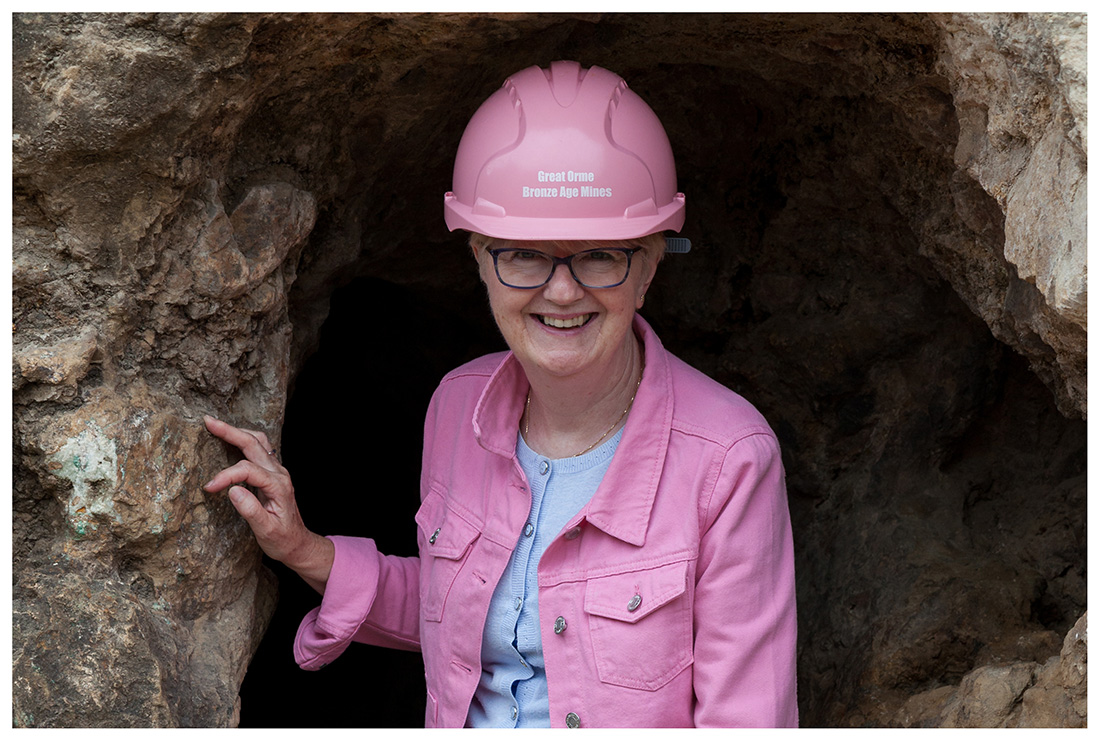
{"x":245,"y":503}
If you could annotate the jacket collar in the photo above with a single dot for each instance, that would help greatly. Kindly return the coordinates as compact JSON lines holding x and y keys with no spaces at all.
{"x":622,"y":504}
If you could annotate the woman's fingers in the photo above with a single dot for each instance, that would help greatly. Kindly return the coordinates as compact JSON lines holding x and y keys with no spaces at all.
{"x":271,"y":512}
{"x":247,"y":472}
{"x":253,"y":444}
{"x":259,"y":469}
{"x":261,"y":436}
{"x":265,"y":445}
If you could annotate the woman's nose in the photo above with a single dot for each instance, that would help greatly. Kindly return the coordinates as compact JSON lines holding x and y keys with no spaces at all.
{"x":562,"y":288}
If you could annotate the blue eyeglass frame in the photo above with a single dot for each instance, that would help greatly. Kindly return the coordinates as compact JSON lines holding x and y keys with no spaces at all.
{"x":567,"y":261}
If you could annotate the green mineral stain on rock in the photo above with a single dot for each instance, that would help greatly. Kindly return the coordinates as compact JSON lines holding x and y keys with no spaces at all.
{"x":90,"y":462}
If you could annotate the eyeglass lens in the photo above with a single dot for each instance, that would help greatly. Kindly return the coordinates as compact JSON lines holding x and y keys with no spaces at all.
{"x":592,"y":268}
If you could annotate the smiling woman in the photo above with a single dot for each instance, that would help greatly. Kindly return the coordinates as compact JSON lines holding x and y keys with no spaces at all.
{"x":568,"y":334}
{"x":603,"y":532}
{"x":889,"y":227}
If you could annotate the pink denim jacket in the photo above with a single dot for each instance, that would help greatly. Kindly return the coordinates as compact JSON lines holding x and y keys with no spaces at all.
{"x":668,"y":600}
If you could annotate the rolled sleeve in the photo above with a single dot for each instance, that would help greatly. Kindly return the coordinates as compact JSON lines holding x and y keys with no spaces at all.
{"x":327,"y":630}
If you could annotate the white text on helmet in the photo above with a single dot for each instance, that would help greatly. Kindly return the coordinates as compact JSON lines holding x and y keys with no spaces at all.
{"x":585,"y":191}
{"x":566,"y":176}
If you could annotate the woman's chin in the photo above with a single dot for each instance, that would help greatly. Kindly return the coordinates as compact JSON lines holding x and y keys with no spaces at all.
{"x":561,"y":365}
{"x":558,"y":351}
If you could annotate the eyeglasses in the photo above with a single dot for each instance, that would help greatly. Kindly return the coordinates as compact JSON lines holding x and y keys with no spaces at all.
{"x":600,"y":268}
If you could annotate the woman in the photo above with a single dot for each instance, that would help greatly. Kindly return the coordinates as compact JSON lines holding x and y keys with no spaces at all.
{"x":603,"y":531}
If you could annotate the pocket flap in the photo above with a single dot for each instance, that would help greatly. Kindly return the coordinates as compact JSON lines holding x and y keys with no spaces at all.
{"x":631,"y":596}
{"x":446,"y":534}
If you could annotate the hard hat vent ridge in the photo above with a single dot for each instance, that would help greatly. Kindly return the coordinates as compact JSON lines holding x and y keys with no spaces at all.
{"x":565,"y":80}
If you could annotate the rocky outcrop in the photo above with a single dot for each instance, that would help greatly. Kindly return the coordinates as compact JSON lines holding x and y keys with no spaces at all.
{"x":1017,"y":695}
{"x":1018,"y":87}
{"x":888,"y":218}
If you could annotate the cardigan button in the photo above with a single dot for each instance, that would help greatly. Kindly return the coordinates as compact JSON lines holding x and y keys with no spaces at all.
{"x":559,"y":625}
{"x":572,"y":721}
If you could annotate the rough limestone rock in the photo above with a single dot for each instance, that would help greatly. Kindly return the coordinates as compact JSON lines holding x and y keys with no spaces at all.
{"x":1022,"y":694}
{"x":888,"y":220}
{"x":1059,"y":698}
{"x":1027,"y":149}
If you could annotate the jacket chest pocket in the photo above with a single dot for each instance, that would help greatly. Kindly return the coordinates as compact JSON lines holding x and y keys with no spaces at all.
{"x":640,"y":623}
{"x":446,"y":540}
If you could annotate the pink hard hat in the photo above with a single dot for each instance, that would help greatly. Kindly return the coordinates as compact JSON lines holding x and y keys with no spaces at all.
{"x":564,"y":153}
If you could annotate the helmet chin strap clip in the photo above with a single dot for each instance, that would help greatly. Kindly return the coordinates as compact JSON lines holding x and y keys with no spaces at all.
{"x":677,"y":245}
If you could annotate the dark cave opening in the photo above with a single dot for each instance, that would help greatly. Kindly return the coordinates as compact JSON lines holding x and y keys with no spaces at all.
{"x":352,"y":442}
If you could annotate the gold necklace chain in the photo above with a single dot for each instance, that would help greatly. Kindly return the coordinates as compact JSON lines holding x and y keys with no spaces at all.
{"x":527,"y":417}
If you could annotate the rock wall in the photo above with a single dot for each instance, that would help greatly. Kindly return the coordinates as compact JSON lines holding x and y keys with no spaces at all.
{"x":888,"y":215}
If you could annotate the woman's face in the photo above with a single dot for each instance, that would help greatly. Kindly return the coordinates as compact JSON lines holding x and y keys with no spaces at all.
{"x":563,"y":328}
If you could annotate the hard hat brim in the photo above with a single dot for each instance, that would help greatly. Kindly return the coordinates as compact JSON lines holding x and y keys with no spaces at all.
{"x":460,"y":216}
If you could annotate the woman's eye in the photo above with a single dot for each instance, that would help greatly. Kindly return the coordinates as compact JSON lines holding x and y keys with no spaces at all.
{"x":600,"y":256}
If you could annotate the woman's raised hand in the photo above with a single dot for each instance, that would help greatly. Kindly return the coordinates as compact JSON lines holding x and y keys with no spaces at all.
{"x":272,"y":513}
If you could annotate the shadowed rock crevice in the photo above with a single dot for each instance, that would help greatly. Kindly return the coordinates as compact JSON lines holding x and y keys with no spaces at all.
{"x":241,"y":215}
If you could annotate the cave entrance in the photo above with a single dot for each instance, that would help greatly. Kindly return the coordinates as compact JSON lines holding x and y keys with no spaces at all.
{"x":352,"y":439}
{"x":936,"y":492}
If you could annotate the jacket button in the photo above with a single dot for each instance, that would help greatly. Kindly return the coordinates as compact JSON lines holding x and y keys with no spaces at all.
{"x":559,"y":625}
{"x":632,"y":605}
{"x":572,"y":721}
{"x":435,"y":535}
{"x":572,"y":533}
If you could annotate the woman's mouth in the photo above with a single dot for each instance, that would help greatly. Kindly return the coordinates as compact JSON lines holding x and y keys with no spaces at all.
{"x":570,"y":323}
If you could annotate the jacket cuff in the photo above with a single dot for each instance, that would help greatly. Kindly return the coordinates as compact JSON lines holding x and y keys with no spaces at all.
{"x":349,"y":593}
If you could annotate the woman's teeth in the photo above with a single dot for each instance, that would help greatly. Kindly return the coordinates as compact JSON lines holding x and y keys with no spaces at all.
{"x":565,"y":323}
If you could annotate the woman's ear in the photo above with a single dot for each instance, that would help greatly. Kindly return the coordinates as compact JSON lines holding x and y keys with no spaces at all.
{"x":653,"y":250}
{"x":649,"y":270}
{"x":479,"y":243}
{"x":475,"y":249}
{"x":479,"y":252}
